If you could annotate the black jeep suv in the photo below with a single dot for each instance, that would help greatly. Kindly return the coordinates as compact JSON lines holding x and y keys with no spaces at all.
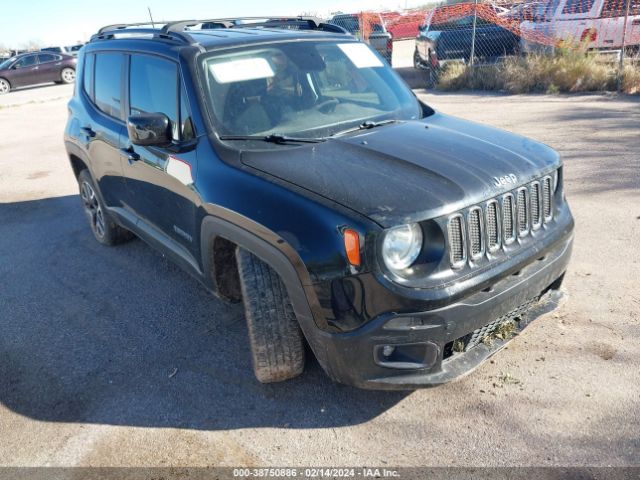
{"x":284,"y":164}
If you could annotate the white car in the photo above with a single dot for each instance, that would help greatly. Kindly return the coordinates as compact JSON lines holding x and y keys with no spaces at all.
{"x":599,"y":24}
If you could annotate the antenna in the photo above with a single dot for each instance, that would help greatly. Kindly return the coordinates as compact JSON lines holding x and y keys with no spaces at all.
{"x":151,"y":17}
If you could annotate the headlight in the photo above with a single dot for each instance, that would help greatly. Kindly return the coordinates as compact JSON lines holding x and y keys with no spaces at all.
{"x":401,"y":246}
{"x":555,"y":181}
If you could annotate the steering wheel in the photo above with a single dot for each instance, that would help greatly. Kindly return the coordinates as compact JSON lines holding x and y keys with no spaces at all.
{"x":328,"y":106}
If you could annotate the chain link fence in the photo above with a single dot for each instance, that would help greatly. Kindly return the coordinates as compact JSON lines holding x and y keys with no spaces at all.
{"x":534,"y":46}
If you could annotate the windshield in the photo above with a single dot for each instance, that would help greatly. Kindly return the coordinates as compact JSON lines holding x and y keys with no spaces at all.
{"x":6,"y":63}
{"x":303,"y":89}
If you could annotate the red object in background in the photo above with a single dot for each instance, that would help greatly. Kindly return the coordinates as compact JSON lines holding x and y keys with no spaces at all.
{"x":406,"y":25}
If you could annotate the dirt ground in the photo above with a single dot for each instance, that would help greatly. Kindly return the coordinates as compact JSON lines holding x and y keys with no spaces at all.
{"x":114,"y":357}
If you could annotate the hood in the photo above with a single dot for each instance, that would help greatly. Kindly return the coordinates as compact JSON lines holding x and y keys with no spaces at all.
{"x":411,"y":171}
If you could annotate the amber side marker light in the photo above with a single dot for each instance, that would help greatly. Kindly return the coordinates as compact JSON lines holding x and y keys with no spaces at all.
{"x":352,"y":246}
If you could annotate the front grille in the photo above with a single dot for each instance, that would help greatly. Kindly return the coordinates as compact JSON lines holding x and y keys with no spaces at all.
{"x":456,"y":241}
{"x":547,"y":198}
{"x":493,"y":230}
{"x":507,"y":219}
{"x":475,"y":233}
{"x":522,"y":213}
{"x":483,"y":230}
{"x":536,"y":219}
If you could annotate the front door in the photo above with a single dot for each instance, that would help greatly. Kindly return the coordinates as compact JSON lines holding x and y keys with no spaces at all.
{"x":160,"y":179}
{"x":26,"y":71}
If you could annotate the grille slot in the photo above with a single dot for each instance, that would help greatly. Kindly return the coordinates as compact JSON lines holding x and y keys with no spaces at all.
{"x":456,"y":241}
{"x":493,"y":228}
{"x":536,"y":217}
{"x":476,"y":245}
{"x":522,"y":212}
{"x":507,"y":219}
{"x":547,"y":209}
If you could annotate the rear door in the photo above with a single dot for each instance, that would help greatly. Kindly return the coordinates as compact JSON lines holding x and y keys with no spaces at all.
{"x":160,"y":179}
{"x":612,"y":24}
{"x":50,"y":66}
{"x":576,"y":21}
{"x":103,"y":126}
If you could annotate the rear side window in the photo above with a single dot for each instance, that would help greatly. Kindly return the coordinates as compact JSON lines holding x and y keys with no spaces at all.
{"x":618,"y":8}
{"x":153,"y":88}
{"x":108,"y":75}
{"x":87,"y":79}
{"x":49,"y":57}
{"x":577,"y":6}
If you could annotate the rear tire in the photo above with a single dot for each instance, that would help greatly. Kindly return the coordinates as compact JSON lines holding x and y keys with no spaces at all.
{"x":68,"y":75}
{"x":104,"y":229}
{"x":5,"y":86}
{"x":277,"y":344}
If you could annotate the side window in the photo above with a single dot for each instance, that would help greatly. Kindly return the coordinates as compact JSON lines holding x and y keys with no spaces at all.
{"x":108,"y":75}
{"x":577,"y":6}
{"x":187,"y":131}
{"x":26,"y":61}
{"x":47,"y":57}
{"x":87,"y":80}
{"x":153,"y":88}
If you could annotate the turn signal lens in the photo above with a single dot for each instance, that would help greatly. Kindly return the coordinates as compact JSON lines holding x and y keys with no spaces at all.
{"x":352,"y":246}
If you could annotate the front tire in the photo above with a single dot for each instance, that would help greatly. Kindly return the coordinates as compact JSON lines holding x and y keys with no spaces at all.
{"x":104,"y":229}
{"x":5,"y":86}
{"x":68,"y":75}
{"x":277,"y":344}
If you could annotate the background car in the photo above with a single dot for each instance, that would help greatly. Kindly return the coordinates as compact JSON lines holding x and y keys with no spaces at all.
{"x":370,"y":27}
{"x":36,"y":68}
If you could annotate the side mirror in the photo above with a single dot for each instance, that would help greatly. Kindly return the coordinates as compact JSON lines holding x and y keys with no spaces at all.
{"x":149,"y":129}
{"x":422,"y":28}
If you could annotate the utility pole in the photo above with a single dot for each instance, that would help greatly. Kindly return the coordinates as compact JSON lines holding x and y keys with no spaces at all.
{"x":151,"y":17}
{"x":624,"y":38}
{"x":473,"y":37}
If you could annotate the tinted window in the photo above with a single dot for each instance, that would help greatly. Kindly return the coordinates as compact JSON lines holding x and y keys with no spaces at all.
{"x":577,"y":6}
{"x":108,"y":74}
{"x":87,"y":80}
{"x":26,"y":61}
{"x":154,"y":88}
{"x":48,"y":57}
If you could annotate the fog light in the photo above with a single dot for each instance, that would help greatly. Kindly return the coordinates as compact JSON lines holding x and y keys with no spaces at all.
{"x":388,"y":350}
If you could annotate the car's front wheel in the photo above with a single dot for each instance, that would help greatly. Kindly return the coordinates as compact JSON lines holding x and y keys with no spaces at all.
{"x":102,"y":225}
{"x":5,"y":86}
{"x":68,"y":75}
{"x":277,"y":344}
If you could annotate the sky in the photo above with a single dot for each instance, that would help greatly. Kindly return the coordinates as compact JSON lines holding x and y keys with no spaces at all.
{"x":65,"y":22}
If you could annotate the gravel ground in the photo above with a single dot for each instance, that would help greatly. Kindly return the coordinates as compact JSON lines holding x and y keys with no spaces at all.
{"x":114,"y":357}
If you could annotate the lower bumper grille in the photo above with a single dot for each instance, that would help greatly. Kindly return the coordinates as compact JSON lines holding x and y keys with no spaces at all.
{"x":479,"y":335}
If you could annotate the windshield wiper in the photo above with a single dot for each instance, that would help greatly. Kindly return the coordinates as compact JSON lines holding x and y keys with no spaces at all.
{"x":368,"y":125}
{"x":273,"y":138}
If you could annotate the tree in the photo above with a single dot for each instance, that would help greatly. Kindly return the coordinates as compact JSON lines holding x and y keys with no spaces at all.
{"x":31,"y":45}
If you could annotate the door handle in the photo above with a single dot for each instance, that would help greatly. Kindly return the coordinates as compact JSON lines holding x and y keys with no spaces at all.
{"x":88,"y":131}
{"x":131,"y":155}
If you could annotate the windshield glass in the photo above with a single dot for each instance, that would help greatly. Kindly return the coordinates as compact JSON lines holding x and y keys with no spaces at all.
{"x":6,"y":63}
{"x":303,"y":89}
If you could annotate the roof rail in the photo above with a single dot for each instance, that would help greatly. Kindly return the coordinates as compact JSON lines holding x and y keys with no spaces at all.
{"x":110,"y":31}
{"x":311,"y":23}
{"x":176,"y":30}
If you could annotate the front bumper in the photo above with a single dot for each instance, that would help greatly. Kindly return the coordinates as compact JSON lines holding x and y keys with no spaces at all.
{"x":421,"y":346}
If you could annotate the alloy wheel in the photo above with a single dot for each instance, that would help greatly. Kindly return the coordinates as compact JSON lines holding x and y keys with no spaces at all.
{"x":92,"y":208}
